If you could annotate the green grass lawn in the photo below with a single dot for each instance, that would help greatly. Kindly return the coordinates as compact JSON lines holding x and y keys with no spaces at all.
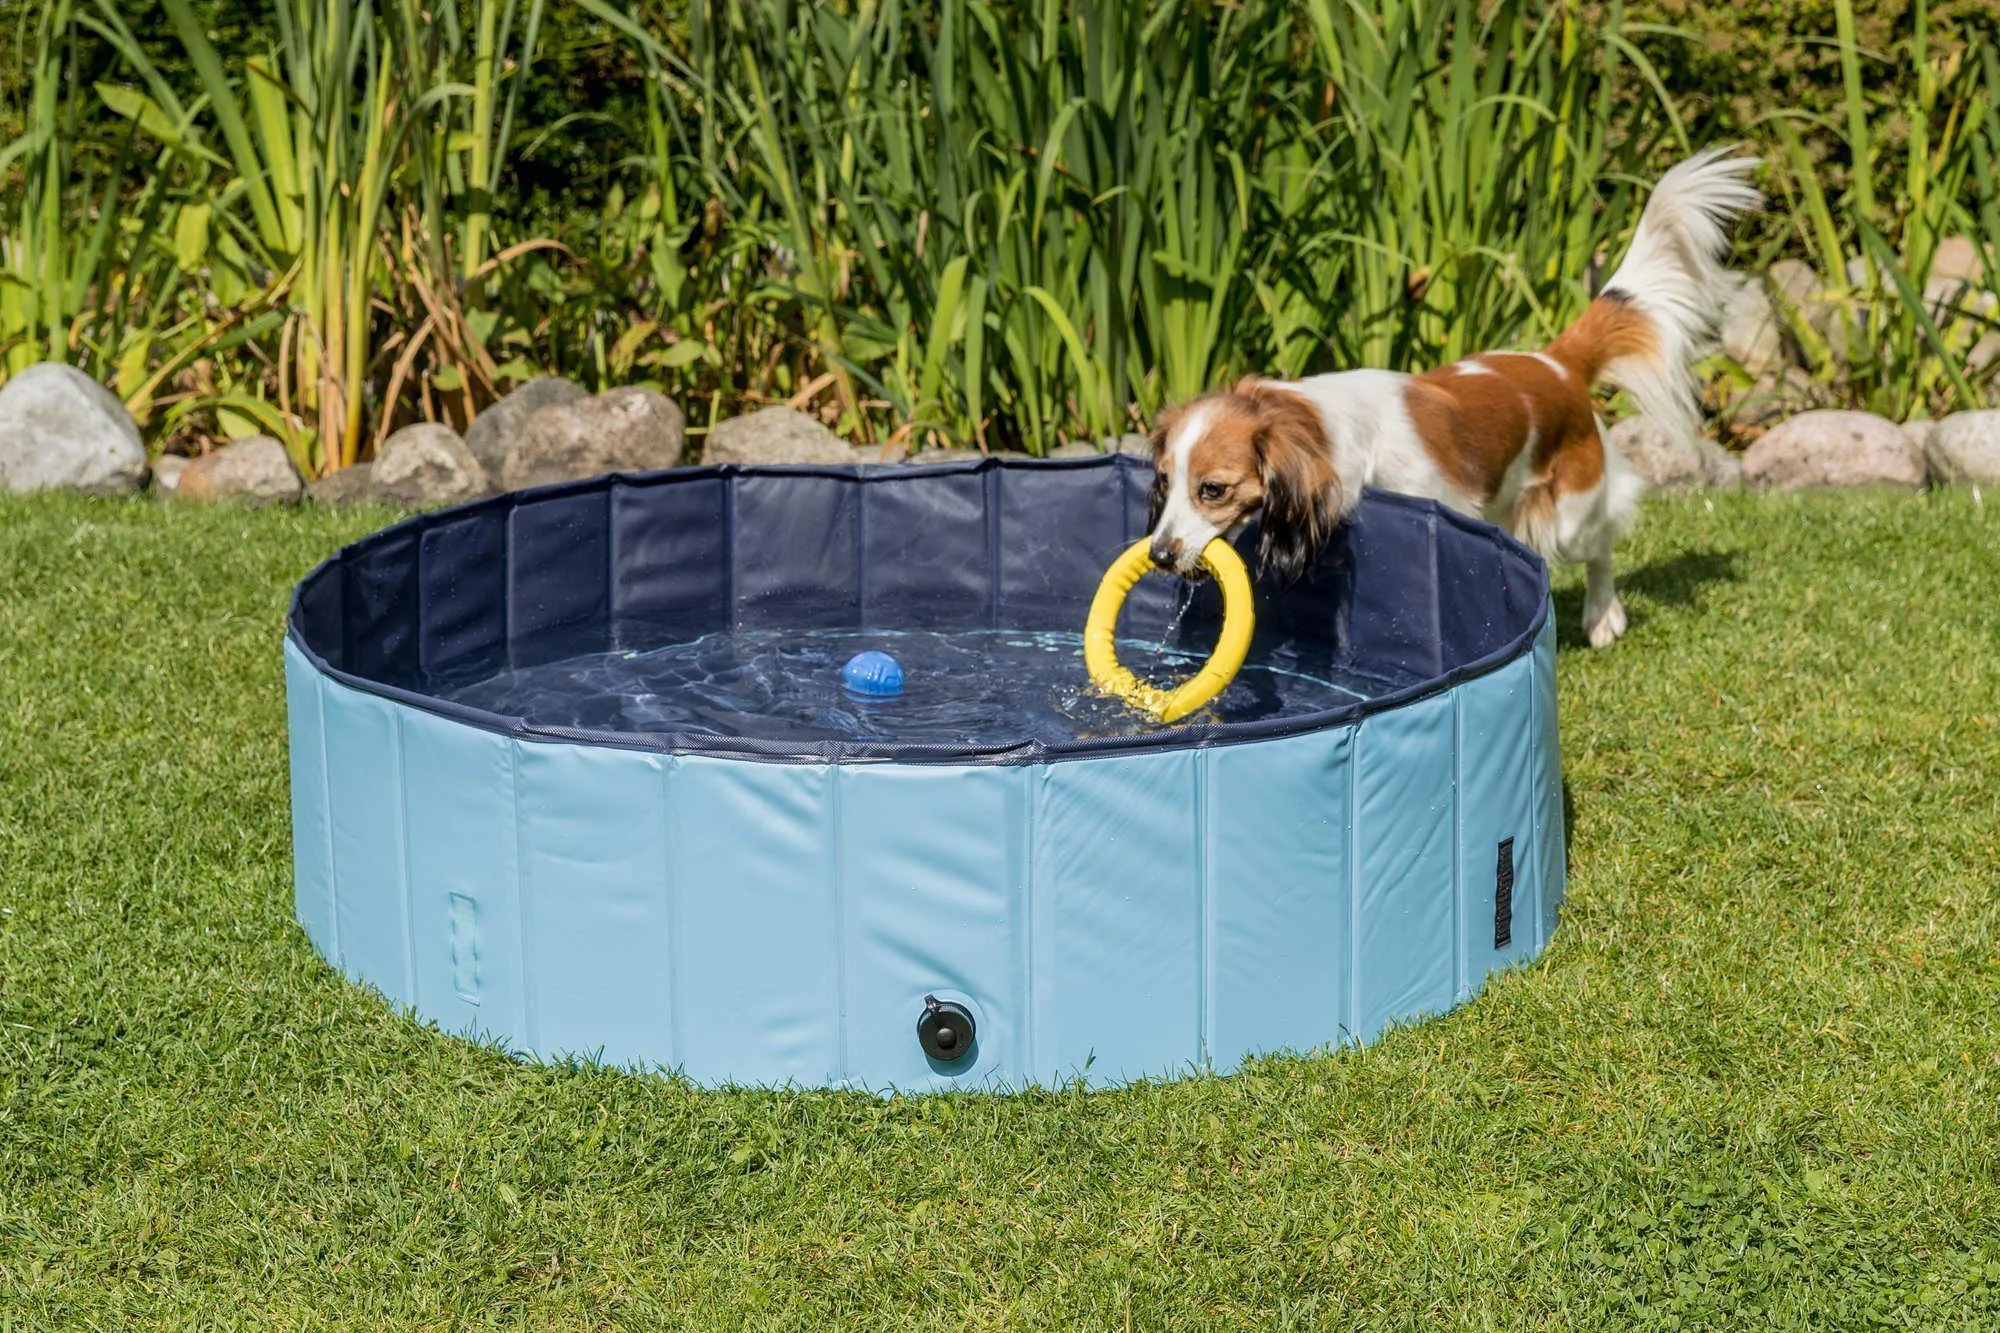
{"x":1753,"y":1079}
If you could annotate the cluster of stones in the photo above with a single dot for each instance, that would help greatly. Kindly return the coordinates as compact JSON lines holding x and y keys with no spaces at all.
{"x":59,"y":429}
{"x":1798,"y":442}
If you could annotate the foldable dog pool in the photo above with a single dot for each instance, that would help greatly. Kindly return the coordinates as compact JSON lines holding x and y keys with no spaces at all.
{"x":551,"y":785}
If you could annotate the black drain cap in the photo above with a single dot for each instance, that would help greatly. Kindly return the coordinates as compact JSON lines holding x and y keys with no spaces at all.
{"x":945,"y":1030}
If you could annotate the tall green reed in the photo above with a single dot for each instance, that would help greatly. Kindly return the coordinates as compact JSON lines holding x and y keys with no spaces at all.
{"x":62,"y":254}
{"x":1882,"y":336}
{"x":1018,"y":221}
{"x":341,"y":189}
{"x":1485,"y":167}
{"x":468,"y":65}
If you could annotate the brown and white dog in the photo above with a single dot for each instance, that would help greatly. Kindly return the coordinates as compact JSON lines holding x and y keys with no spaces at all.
{"x":1510,"y":436}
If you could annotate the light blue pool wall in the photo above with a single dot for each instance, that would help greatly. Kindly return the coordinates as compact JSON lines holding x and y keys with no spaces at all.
{"x":1106,"y":918}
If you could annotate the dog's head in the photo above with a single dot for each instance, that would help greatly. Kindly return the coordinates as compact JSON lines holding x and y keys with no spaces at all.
{"x":1222,"y":458}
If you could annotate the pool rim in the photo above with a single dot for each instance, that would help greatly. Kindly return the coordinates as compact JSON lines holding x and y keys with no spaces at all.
{"x":1199,"y":736}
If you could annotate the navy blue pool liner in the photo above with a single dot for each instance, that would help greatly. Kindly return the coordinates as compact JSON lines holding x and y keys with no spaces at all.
{"x":765,"y":912}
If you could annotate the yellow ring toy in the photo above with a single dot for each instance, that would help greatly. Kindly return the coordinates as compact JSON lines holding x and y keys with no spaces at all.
{"x":1100,"y":654}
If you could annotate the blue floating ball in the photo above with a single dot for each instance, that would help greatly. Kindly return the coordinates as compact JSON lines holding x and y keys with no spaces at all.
{"x":873,"y":673}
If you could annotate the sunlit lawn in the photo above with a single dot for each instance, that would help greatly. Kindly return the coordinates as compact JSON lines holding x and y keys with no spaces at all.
{"x":1753,"y":1082}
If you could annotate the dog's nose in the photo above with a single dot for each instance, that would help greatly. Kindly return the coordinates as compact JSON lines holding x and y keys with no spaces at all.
{"x":1166,"y":554}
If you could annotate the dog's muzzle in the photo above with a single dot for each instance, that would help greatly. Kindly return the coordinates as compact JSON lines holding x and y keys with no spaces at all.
{"x":1173,"y":556}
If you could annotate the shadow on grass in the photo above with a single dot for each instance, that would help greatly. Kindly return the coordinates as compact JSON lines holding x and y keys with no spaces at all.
{"x":1569,"y":820}
{"x":1676,"y":580}
{"x":1679,"y":579}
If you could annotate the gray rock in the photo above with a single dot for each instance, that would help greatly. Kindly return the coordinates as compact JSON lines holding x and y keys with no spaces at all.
{"x":1956,"y":260}
{"x":774,"y":435}
{"x":879,"y":454}
{"x":1665,"y":460}
{"x":1964,"y":310}
{"x":1750,"y":335}
{"x":626,"y":430}
{"x":1984,"y":353}
{"x":1796,"y":286}
{"x":1775,"y":396}
{"x":1949,"y":299}
{"x":1075,"y":449}
{"x":351,"y":485}
{"x":1831,"y":448}
{"x":166,"y":473}
{"x":1838,"y":317}
{"x":1668,"y":463}
{"x":1136,"y":445}
{"x":62,"y":430}
{"x":1918,"y":431}
{"x":254,"y":471}
{"x":1793,"y":279}
{"x":943,"y":455}
{"x":493,"y":431}
{"x":1720,"y":469}
{"x":1965,"y":446}
{"x":428,"y":466}
{"x":1966,"y":314}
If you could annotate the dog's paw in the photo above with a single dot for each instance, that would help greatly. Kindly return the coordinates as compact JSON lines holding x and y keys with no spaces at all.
{"x":1606,"y":629}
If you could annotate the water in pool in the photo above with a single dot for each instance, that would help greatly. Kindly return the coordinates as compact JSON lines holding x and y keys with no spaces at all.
{"x":973,"y":687}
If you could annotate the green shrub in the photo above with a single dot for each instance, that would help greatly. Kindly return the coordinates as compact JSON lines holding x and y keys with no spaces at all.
{"x":1018,"y":222}
{"x":1001,"y":222}
{"x":1883,"y":337}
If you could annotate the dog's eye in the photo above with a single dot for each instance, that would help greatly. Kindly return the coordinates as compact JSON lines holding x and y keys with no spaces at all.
{"x":1209,"y":492}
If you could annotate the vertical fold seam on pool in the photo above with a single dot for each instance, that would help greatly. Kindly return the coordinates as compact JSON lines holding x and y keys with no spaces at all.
{"x":1031,"y":1008}
{"x":1460,"y":985}
{"x":837,"y":868}
{"x":326,"y":795}
{"x":406,"y":890}
{"x":530,"y":1006}
{"x":1353,"y":1023}
{"x":670,"y":908}
{"x":1204,"y":927}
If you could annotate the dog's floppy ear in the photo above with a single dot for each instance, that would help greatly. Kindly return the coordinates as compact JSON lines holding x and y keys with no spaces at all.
{"x":1301,"y":489}
{"x":1158,"y":501}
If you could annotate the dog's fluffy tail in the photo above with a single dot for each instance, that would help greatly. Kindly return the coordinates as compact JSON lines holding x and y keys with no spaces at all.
{"x":1655,"y":316}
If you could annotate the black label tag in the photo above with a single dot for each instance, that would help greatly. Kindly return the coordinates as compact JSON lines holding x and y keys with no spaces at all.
{"x":1503,"y":896}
